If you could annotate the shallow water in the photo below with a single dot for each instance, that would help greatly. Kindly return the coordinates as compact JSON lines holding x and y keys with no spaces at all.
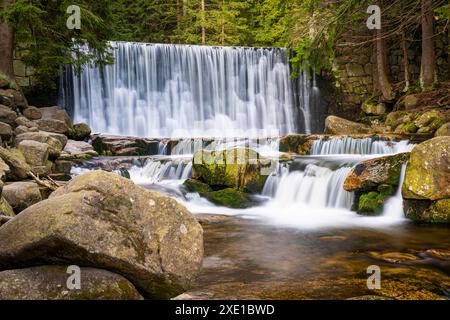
{"x":249,"y":259}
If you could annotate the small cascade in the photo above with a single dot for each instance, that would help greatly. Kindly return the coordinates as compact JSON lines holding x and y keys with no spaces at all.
{"x":362,"y":146}
{"x":315,"y":186}
{"x":393,"y":208}
{"x":155,"y":171}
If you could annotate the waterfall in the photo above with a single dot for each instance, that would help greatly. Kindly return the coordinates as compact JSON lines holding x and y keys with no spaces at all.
{"x":393,"y":208}
{"x":363,"y":146}
{"x":155,"y":171}
{"x":166,"y":90}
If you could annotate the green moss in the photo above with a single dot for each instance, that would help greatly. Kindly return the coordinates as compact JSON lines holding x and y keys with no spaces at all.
{"x":229,"y":198}
{"x":196,"y":186}
{"x":409,"y":127}
{"x":371,"y":203}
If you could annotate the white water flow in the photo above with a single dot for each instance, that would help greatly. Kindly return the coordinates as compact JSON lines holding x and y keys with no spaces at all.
{"x":361,"y":146}
{"x":166,"y":90}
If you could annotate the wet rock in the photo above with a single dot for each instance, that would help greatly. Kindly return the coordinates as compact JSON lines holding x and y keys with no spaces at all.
{"x":196,"y":186}
{"x":102,"y":220}
{"x":36,"y":155}
{"x":7,"y":115}
{"x":78,"y":150}
{"x":18,"y":167}
{"x":50,"y":283}
{"x":298,"y":143}
{"x":333,"y":238}
{"x":428,"y":171}
{"x":229,"y":198}
{"x":443,"y":254}
{"x":371,"y":203}
{"x":371,"y":173}
{"x":21,"y":195}
{"x":212,"y":218}
{"x":32,"y":113}
{"x":240,"y":168}
{"x":444,"y":130}
{"x":124,"y":146}
{"x":394,"y":257}
{"x":336,"y":125}
{"x":81,"y":131}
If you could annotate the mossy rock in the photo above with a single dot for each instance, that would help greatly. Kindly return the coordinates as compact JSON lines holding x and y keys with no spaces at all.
{"x":444,"y":130}
{"x":406,"y":128}
{"x":428,"y":211}
{"x":229,"y":198}
{"x":239,"y":168}
{"x":196,"y":186}
{"x":371,"y":203}
{"x":428,"y":173}
{"x":297,"y":143}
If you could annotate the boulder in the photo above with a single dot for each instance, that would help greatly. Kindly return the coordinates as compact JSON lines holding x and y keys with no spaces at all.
{"x":375,"y":109}
{"x":298,"y":143}
{"x":5,"y":208}
{"x":23,"y":129}
{"x":22,"y":121}
{"x":7,"y":115}
{"x":238,"y":168}
{"x":427,"y":211}
{"x":444,"y":130}
{"x":52,"y":125}
{"x":18,"y":167}
{"x":124,"y":146}
{"x":32,"y":113}
{"x":371,"y":173}
{"x":13,"y":98}
{"x":428,"y":171}
{"x":336,"y":125}
{"x":6,"y":131}
{"x":36,"y":155}
{"x":50,"y":283}
{"x":394,"y":119}
{"x":78,"y":150}
{"x":102,"y":220}
{"x":56,"y":141}
{"x":56,"y":113}
{"x":4,"y":170}
{"x":81,"y":131}
{"x":21,"y":195}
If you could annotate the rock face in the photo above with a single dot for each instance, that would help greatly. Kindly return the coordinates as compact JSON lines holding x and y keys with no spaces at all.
{"x":239,"y":168}
{"x":374,"y":172}
{"x":426,"y":189}
{"x":428,"y":171}
{"x":336,"y":125}
{"x":21,"y":195}
{"x":105,"y":221}
{"x":124,"y":146}
{"x":50,"y":283}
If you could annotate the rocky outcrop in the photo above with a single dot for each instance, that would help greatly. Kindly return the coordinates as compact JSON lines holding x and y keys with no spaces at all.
{"x":81,"y":131}
{"x":124,"y":146}
{"x":21,"y":195}
{"x":374,"y":181}
{"x":56,"y":141}
{"x":102,"y":220}
{"x":336,"y":125}
{"x":240,"y":168}
{"x":427,"y":179}
{"x":50,"y":283}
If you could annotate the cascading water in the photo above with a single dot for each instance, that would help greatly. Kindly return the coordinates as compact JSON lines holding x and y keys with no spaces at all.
{"x":165,"y":90}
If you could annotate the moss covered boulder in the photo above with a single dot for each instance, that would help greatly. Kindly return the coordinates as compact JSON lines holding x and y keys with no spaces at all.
{"x":428,"y":171}
{"x":193,"y":185}
{"x":229,"y":198}
{"x":336,"y":125}
{"x":371,"y":203}
{"x":240,"y":168}
{"x":444,"y":130}
{"x":298,"y":143}
{"x":50,"y":283}
{"x":428,"y":211}
{"x":102,"y":220}
{"x":371,"y":173}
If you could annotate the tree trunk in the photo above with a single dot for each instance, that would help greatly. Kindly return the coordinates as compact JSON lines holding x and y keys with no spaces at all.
{"x":203,"y":23}
{"x":405,"y":62}
{"x":6,"y":46}
{"x":381,"y":58}
{"x":427,"y":70}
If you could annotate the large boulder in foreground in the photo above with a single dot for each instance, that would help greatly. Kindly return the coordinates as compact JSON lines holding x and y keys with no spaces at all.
{"x":239,"y":168}
{"x":428,"y":172}
{"x":336,"y":125}
{"x":50,"y":283}
{"x":102,"y":220}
